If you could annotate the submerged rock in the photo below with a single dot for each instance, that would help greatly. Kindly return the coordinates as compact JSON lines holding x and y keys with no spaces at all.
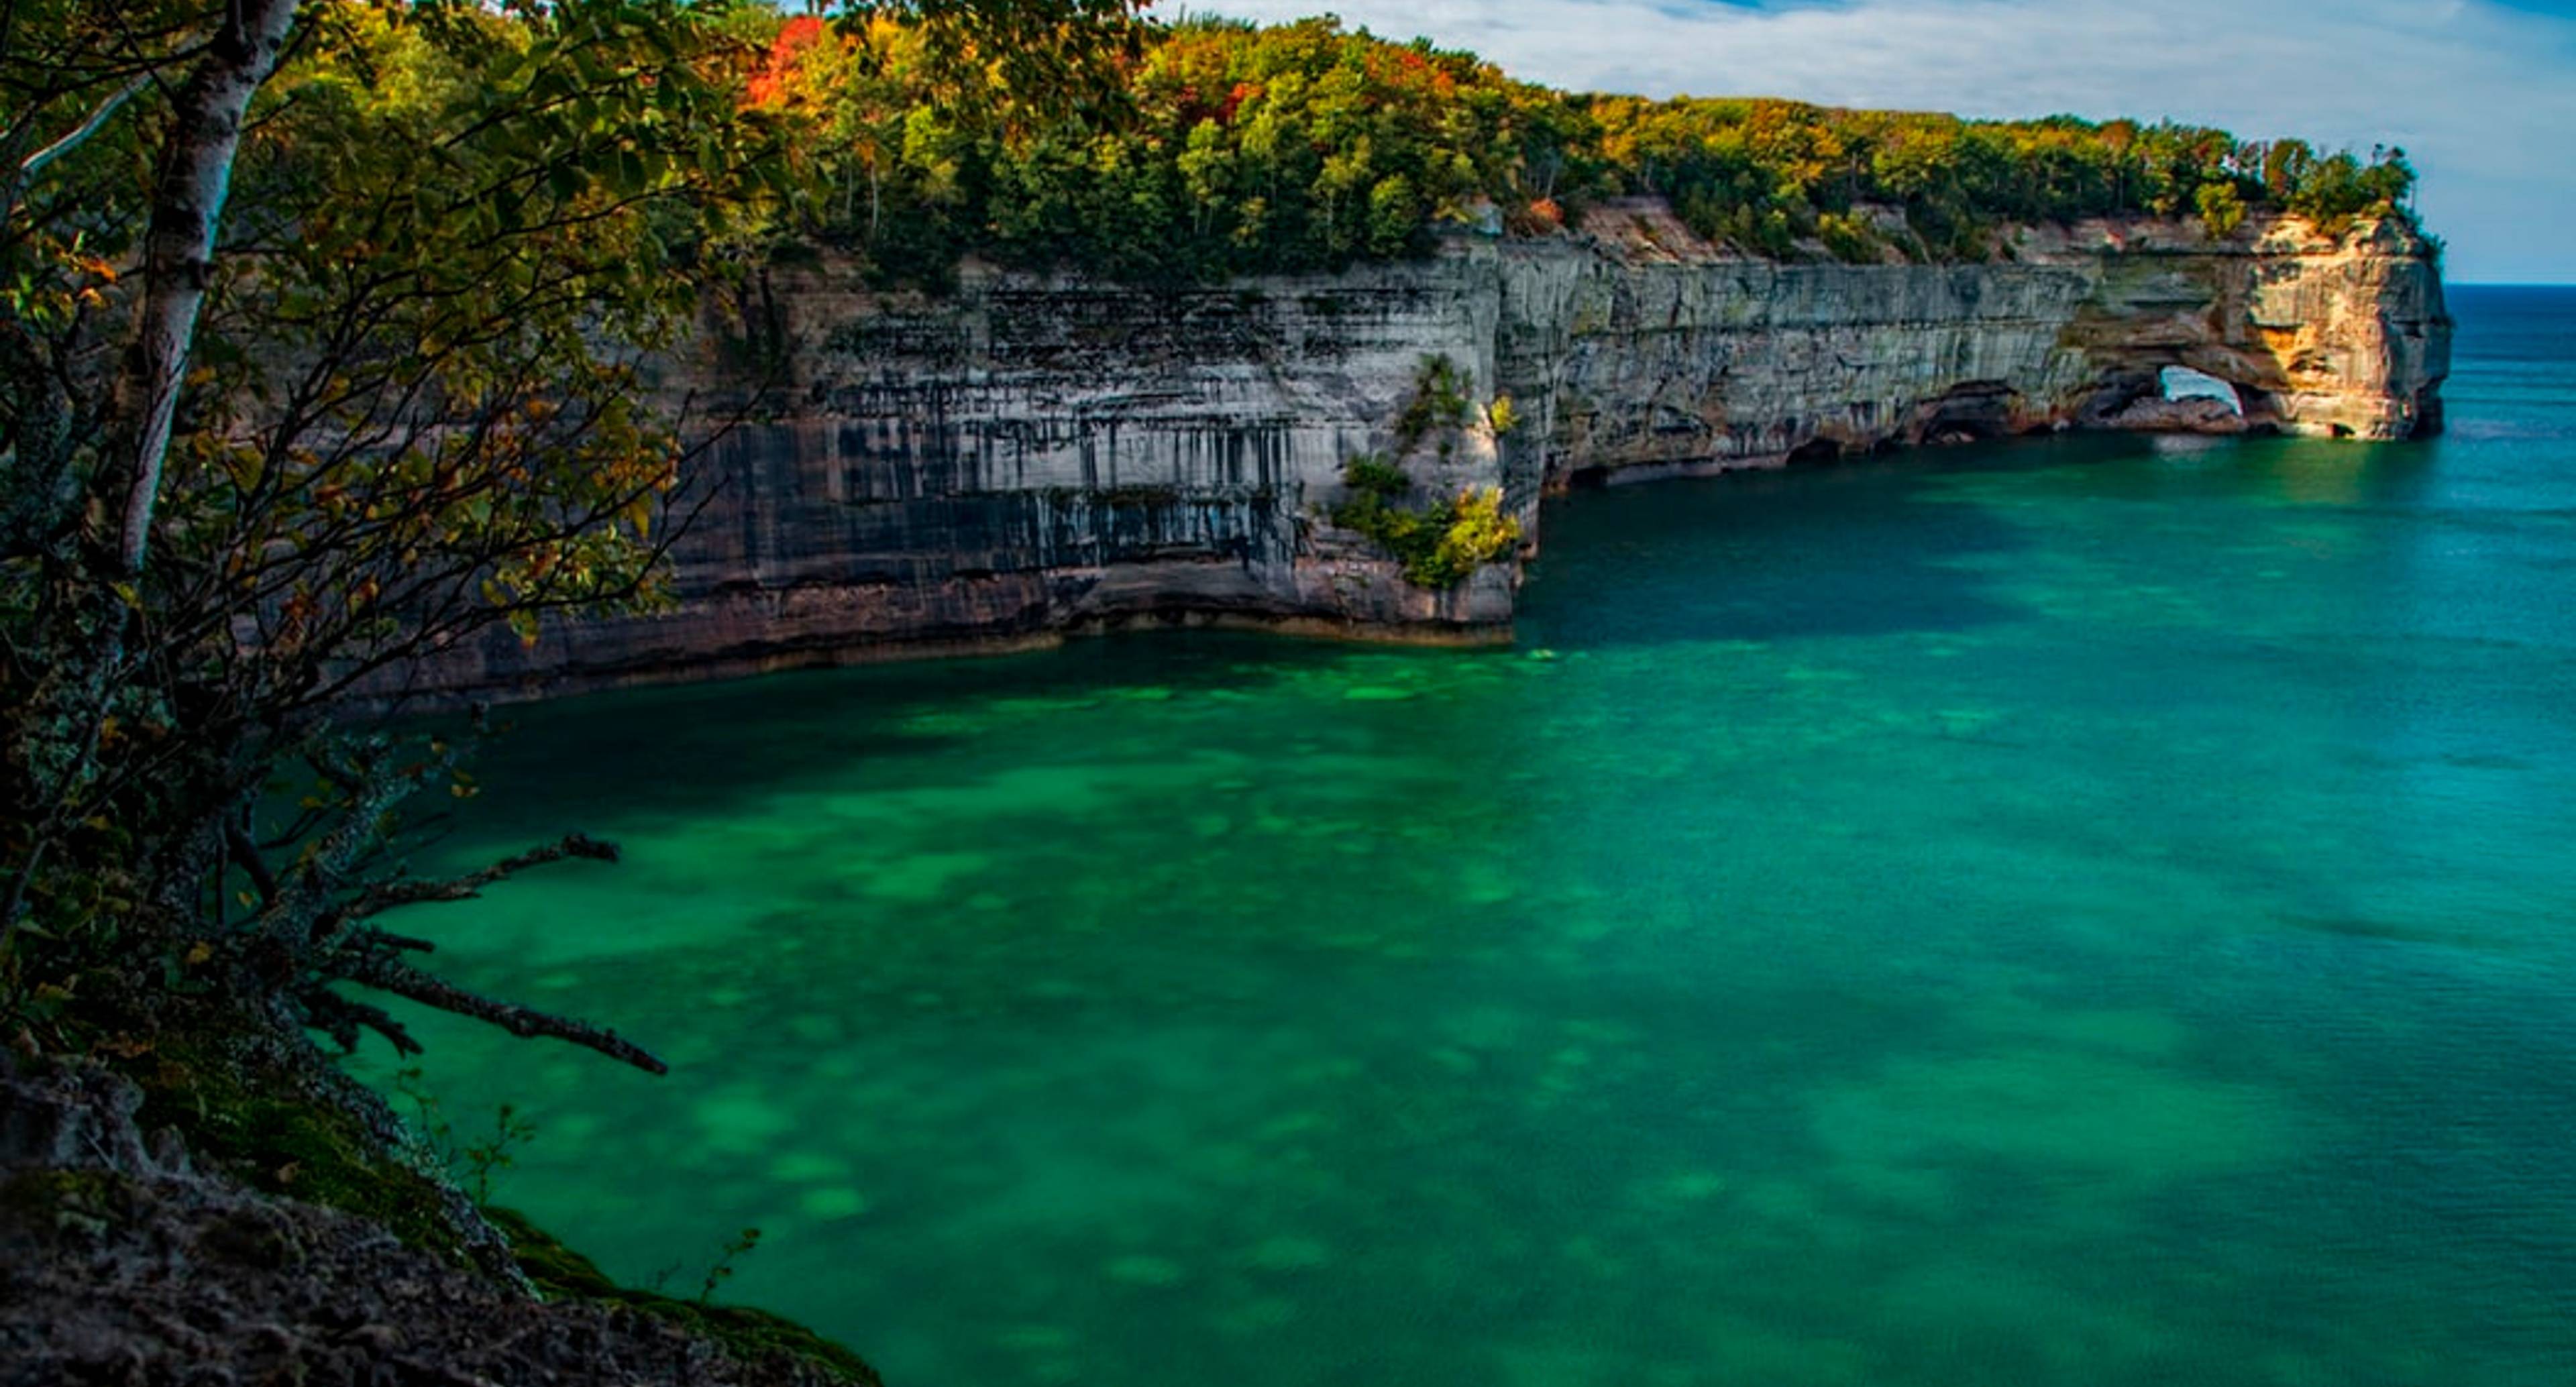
{"x":2194,"y":414}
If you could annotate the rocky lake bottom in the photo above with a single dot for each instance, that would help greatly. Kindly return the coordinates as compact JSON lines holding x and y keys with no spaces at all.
{"x":2095,"y":911}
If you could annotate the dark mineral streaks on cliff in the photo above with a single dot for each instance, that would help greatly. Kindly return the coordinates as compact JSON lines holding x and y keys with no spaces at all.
{"x":1027,"y":457}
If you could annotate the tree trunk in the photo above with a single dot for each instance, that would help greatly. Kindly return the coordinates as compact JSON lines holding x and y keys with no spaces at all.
{"x":179,"y":250}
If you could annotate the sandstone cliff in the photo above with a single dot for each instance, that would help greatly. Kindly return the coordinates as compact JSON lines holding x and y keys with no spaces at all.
{"x":1025,"y":457}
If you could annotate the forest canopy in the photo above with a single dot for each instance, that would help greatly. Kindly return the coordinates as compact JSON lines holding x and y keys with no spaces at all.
{"x":1232,"y":149}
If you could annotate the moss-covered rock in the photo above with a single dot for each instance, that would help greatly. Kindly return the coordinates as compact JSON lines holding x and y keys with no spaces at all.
{"x":564,"y":1274}
{"x":126,"y":1258}
{"x":242,"y":1112}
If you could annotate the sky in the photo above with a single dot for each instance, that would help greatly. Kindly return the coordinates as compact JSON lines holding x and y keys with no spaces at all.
{"x":2480,"y":93}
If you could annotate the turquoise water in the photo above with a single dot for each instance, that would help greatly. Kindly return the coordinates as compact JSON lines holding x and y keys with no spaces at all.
{"x":2087,"y":912}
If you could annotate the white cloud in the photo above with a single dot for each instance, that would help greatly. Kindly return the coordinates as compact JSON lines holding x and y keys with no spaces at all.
{"x":2482,"y":96}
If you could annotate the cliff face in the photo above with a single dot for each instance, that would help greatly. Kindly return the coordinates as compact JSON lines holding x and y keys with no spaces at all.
{"x":1026,"y":457}
{"x":1658,"y":353}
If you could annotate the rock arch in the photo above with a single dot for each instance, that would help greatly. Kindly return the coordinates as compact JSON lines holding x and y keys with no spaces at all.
{"x":2182,"y":394}
{"x":2178,"y":383}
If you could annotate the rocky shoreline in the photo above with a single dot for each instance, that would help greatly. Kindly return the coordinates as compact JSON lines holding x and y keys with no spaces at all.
{"x":130,"y":1256}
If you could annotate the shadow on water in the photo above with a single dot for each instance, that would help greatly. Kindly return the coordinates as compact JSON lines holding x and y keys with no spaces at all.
{"x":1854,"y":549}
{"x":814,"y":724}
{"x":2171,"y":988}
{"x":1879,"y":547}
{"x":1908,"y":544}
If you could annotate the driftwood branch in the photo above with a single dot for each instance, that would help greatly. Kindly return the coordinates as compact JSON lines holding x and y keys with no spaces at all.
{"x":399,"y":943}
{"x":334,"y":948}
{"x":342,"y":1019}
{"x":386,"y":974}
{"x":394,"y":895}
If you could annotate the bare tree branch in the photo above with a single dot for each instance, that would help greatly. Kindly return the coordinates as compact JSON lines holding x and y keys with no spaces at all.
{"x":342,"y":1019}
{"x":386,"y":974}
{"x":35,"y":163}
{"x":246,"y":855}
{"x":397,"y":894}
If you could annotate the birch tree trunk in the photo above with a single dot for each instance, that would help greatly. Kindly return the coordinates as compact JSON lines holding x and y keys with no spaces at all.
{"x":179,"y":249}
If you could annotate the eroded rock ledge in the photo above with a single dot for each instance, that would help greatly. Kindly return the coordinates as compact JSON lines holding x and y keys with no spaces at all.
{"x":122,"y":1260}
{"x":1026,"y":458}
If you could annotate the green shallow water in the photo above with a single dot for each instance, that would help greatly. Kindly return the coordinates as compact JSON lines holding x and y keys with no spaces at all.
{"x":2075,"y":913}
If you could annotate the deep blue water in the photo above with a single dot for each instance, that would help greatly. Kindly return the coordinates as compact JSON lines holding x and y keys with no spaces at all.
{"x":2083,"y":912}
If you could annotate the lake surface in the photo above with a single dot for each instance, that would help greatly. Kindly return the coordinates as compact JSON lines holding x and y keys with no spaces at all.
{"x":2085,"y":912}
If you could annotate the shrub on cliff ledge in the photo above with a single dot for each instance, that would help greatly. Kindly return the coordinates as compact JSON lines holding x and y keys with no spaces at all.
{"x":1441,"y":547}
{"x":1439,"y":405}
{"x":1477,"y":533}
{"x":1438,"y":548}
{"x":1375,"y":478}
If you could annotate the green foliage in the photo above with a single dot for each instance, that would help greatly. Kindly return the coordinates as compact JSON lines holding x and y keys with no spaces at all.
{"x":470,"y":1161}
{"x":1438,"y":548}
{"x":2221,"y":207}
{"x":721,"y":1270}
{"x":1765,"y":176}
{"x":562,"y":1273}
{"x":254,"y":1122}
{"x":1230,"y":149}
{"x":403,"y":386}
{"x":1476,"y":533}
{"x":416,"y":409}
{"x":1441,"y":547}
{"x":1374,"y":476}
{"x":2337,"y":191}
{"x":1439,"y":403}
{"x":1848,"y":238}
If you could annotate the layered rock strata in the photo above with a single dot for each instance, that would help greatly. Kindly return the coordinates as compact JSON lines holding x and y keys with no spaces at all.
{"x":1027,"y":457}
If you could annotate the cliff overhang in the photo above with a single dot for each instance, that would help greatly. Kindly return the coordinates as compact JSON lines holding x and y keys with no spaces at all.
{"x":1029,"y":457}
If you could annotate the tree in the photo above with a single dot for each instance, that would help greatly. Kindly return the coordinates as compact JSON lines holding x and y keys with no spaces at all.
{"x":328,"y":340}
{"x":392,"y":400}
{"x":2221,"y":207}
